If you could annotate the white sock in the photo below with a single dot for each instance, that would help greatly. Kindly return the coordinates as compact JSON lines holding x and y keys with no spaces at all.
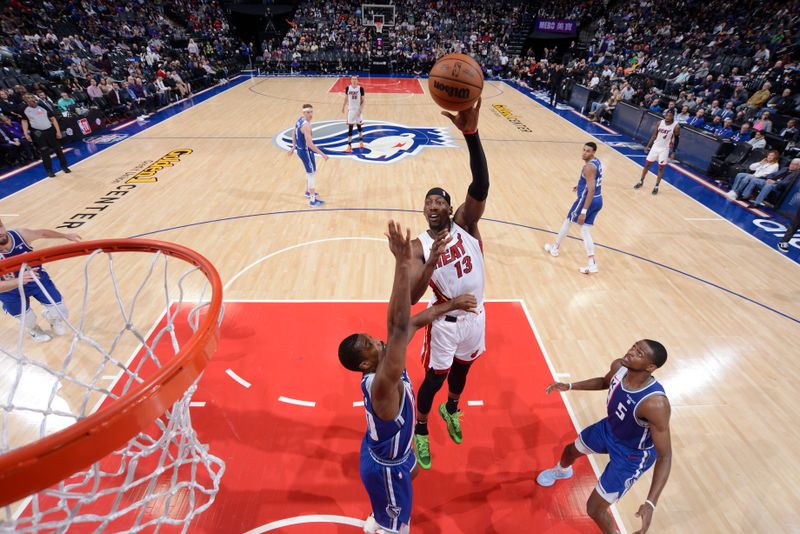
{"x":587,"y":241}
{"x":563,"y":232}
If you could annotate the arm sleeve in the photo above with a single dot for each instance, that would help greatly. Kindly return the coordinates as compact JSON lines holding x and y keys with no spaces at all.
{"x":479,"y":188}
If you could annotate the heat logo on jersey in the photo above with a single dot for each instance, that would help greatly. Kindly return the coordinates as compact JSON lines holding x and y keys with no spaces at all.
{"x":384,"y":142}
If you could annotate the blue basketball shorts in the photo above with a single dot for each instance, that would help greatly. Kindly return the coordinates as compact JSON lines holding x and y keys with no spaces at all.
{"x":12,"y":302}
{"x":307,"y":157}
{"x":389,"y":490}
{"x":591,"y":213}
{"x":626,"y":465}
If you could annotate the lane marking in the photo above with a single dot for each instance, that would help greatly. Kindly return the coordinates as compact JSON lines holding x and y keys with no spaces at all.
{"x":288,"y":400}
{"x":357,"y":404}
{"x":475,"y":403}
{"x":306,"y":519}
{"x":238,"y":378}
{"x":198,"y":404}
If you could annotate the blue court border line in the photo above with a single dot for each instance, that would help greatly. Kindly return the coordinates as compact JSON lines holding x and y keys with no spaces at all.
{"x":509,"y":223}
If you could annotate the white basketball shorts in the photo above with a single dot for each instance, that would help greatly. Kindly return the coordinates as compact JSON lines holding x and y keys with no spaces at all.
{"x":354,"y":116}
{"x":661,"y":155}
{"x":449,"y":336}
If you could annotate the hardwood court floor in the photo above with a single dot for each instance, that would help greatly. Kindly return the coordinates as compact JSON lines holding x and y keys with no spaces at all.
{"x":671,"y":276}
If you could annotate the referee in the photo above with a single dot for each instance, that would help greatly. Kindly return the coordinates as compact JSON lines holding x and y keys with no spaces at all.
{"x":41,"y":125}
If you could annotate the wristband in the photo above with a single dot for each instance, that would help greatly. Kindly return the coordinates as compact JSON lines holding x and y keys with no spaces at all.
{"x":570,"y":386}
{"x":471,"y":133}
{"x":648,"y":501}
{"x":584,"y":211}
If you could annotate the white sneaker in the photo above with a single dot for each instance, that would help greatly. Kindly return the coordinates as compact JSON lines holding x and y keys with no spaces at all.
{"x":58,"y":327}
{"x":551,"y":249}
{"x":39,"y":335}
{"x":732,"y":195}
{"x":591,"y":268}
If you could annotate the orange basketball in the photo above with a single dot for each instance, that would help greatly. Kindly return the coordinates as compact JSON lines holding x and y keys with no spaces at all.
{"x":455,"y":82}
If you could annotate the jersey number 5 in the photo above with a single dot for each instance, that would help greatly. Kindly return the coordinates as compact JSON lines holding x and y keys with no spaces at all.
{"x":621,"y":410}
{"x":467,"y":262}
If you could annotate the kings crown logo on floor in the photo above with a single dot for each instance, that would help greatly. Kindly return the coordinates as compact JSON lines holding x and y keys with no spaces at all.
{"x":384,"y":142}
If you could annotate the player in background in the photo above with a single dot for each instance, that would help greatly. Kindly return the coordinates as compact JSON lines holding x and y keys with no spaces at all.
{"x":354,"y":101}
{"x":454,"y":341}
{"x":662,"y":146}
{"x":387,"y":463}
{"x":14,"y":243}
{"x":586,"y":207}
{"x":635,"y":434}
{"x":303,"y":142}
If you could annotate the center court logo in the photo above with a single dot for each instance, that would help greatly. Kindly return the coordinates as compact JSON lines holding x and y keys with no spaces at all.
{"x":384,"y":142}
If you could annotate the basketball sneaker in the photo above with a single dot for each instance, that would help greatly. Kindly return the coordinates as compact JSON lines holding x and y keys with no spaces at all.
{"x":58,"y":328}
{"x":361,"y":145}
{"x":591,"y":268}
{"x":39,"y":335}
{"x":307,"y":194}
{"x":349,"y":149}
{"x":783,"y":246}
{"x":639,"y":184}
{"x":316,"y":202}
{"x":548,"y":477}
{"x":422,"y":450}
{"x":655,"y":190}
{"x":453,"y":423}
{"x":551,"y":249}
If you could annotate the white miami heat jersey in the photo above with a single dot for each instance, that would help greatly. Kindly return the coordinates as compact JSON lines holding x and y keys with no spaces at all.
{"x":664,"y":136}
{"x":460,"y":267}
{"x":354,"y":96}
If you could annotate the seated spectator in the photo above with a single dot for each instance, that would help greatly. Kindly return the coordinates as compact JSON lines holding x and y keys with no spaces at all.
{"x":790,"y":134}
{"x":684,"y":116}
{"x":95,"y":93}
{"x":118,"y":99}
{"x":759,"y":99}
{"x":764,"y":123}
{"x":760,"y":169}
{"x":783,"y":104}
{"x":13,"y":140}
{"x":743,"y":135}
{"x":698,"y":121}
{"x":758,"y":141}
{"x":183,"y":88}
{"x":714,"y":110}
{"x":728,"y":112}
{"x":65,"y":103}
{"x":726,"y":130}
{"x":778,"y":180}
{"x":714,"y":125}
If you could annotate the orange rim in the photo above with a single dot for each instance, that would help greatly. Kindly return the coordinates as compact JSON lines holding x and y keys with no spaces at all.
{"x":43,"y":463}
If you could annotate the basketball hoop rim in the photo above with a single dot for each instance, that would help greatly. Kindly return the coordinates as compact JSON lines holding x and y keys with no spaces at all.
{"x":43,"y":463}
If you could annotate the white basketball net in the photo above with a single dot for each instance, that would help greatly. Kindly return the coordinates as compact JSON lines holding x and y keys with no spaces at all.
{"x":161,"y":477}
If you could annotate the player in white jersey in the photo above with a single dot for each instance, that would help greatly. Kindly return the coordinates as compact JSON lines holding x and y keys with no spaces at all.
{"x":663,"y":144}
{"x":454,"y":341}
{"x":354,"y":101}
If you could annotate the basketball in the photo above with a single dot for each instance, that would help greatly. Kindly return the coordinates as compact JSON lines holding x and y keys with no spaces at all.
{"x":455,"y":82}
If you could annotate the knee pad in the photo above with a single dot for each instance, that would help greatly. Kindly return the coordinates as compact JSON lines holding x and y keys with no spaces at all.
{"x":310,"y":181}
{"x":457,"y":378}
{"x":56,"y":312}
{"x":432,"y":383}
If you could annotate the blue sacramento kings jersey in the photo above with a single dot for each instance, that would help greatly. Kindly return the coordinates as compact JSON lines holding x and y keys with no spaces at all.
{"x":629,"y":430}
{"x":389,"y":442}
{"x":19,"y":246}
{"x":300,"y":138}
{"x":598,"y":182}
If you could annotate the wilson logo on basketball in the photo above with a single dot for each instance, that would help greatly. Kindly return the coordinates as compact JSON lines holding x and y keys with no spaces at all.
{"x":453,"y":92}
{"x":384,"y":142}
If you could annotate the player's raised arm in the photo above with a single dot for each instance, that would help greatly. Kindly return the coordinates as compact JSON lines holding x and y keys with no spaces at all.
{"x":424,"y":318}
{"x":470,"y":212}
{"x":656,"y":411}
{"x":421,"y":269}
{"x":32,"y":235}
{"x":592,"y":384}
{"x":385,"y":390}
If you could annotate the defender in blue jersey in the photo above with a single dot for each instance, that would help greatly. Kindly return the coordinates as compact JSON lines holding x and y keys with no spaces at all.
{"x":16,"y":304}
{"x":635,"y":434}
{"x":303,"y":142}
{"x":586,"y":207}
{"x":387,"y":460}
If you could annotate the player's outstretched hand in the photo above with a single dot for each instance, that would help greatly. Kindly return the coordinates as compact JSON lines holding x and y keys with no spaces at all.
{"x":464,"y":302}
{"x":646,"y":513}
{"x":324,"y":157}
{"x":443,"y":238}
{"x":72,"y":237}
{"x":399,"y":244}
{"x":466,"y":120}
{"x":557,"y":386}
{"x":291,"y":151}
